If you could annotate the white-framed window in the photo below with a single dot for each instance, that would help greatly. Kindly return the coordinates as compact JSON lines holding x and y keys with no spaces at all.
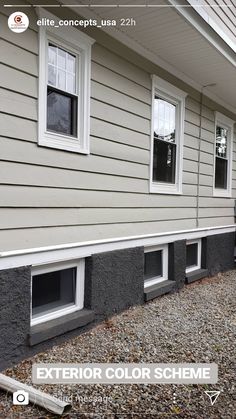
{"x":64,"y":88}
{"x":167,"y":132}
{"x":57,"y":289}
{"x":223,"y":155}
{"x":193,"y":255}
{"x":155,"y":265}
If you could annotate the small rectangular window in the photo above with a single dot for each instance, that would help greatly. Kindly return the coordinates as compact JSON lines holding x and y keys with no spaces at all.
{"x":53,"y":290}
{"x":193,"y":255}
{"x":155,"y":265}
{"x":223,"y":156}
{"x":57,"y":290}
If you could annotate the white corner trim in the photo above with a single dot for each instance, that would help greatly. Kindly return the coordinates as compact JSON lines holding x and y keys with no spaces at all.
{"x":69,"y":251}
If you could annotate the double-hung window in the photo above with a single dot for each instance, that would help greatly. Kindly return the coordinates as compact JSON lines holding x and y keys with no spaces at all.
{"x":167,"y":137}
{"x":64,"y":89}
{"x":223,"y":155}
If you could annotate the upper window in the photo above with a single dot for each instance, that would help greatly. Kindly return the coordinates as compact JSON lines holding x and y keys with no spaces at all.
{"x":64,"y":89}
{"x":167,"y":137}
{"x":223,"y":155}
{"x":57,"y":290}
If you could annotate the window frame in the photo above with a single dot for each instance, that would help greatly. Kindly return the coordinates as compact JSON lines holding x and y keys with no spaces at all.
{"x":164,"y":277}
{"x":176,"y":96}
{"x":79,"y":289}
{"x":227,"y":123}
{"x":199,"y":255}
{"x":75,"y":42}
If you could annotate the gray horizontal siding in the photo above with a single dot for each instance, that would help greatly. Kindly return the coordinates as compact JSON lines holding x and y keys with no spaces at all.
{"x":49,"y":196}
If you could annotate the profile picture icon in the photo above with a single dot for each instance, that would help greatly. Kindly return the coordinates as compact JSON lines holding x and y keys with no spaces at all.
{"x":18,"y":19}
{"x":18,"y":22}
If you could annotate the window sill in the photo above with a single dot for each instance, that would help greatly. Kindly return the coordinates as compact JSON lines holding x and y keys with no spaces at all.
{"x":160,"y":188}
{"x":61,"y":142}
{"x":50,"y":329}
{"x":222,"y":193}
{"x":195,"y":275}
{"x":158,"y":289}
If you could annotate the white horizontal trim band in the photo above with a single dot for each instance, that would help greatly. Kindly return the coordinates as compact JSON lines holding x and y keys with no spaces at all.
{"x":69,"y":251}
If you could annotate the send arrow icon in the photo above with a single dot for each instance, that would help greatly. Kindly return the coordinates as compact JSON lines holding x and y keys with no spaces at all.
{"x":213,"y":396}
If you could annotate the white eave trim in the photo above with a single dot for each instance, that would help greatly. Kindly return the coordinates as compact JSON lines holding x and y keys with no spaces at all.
{"x":207,"y":31}
{"x":64,"y":252}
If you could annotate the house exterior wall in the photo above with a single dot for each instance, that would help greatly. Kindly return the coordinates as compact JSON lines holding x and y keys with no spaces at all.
{"x":52,"y":197}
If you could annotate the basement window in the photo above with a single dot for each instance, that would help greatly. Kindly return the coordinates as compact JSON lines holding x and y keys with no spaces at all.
{"x":223,"y":155}
{"x":57,"y":290}
{"x":193,"y":255}
{"x":155,"y":265}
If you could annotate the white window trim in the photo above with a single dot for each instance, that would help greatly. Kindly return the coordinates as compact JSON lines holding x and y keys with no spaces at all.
{"x":72,"y":40}
{"x":228,"y":123}
{"x":164,"y":277}
{"x":79,"y":292}
{"x":170,"y":93}
{"x":199,"y":255}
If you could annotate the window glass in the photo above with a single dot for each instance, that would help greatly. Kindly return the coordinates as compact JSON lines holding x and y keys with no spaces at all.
{"x":164,"y":120}
{"x":221,"y":162}
{"x":61,"y":69}
{"x":61,"y":113}
{"x":192,"y":254}
{"x":164,"y":152}
{"x":153,"y":264}
{"x":53,"y":290}
{"x":221,"y":142}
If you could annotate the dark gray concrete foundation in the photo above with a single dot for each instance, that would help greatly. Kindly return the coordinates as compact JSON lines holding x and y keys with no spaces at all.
{"x":219,"y":253}
{"x":114,"y":281}
{"x":177,"y":263}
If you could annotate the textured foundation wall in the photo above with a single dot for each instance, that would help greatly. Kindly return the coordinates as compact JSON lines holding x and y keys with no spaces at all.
{"x":115,"y":281}
{"x":220,"y":252}
{"x":14,"y":313}
{"x":177,"y":263}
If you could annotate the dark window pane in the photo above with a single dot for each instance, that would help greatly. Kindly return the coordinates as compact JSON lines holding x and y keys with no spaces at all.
{"x":221,"y":173}
{"x":53,"y":290}
{"x":192,"y":254}
{"x":164,"y":160}
{"x":153,"y":264}
{"x":61,"y":112}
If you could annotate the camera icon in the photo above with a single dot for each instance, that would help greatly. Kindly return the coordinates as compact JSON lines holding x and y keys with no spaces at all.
{"x":20,"y":397}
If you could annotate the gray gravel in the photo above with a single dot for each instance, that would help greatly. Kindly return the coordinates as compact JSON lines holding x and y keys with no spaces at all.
{"x":195,"y":325}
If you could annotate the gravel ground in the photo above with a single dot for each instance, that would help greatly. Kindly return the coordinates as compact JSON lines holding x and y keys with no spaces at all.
{"x":195,"y":325}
